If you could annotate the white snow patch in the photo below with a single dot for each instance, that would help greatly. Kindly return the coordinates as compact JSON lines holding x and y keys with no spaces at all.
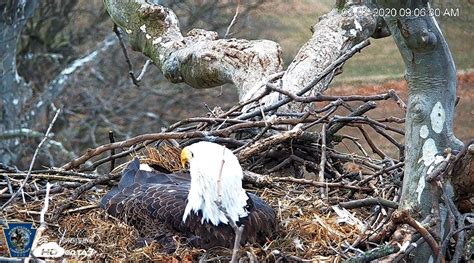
{"x":438,"y":117}
{"x":143,"y":28}
{"x":148,"y":36}
{"x":424,"y":132}
{"x":128,"y":31}
{"x":429,"y":151}
{"x":15,"y":101}
{"x":420,"y":188}
{"x":431,"y":260}
{"x":145,"y":167}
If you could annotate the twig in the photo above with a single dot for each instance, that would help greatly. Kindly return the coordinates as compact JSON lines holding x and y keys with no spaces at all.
{"x":61,"y":172}
{"x":50,"y":177}
{"x":135,"y":81}
{"x":238,"y":230}
{"x":272,"y":140}
{"x":240,"y":105}
{"x":359,"y":111}
{"x":384,"y":170}
{"x":332,"y":106}
{"x":328,"y":70}
{"x":374,"y":254}
{"x":254,"y":139}
{"x":78,"y":192}
{"x":371,"y":143}
{"x":400,"y":255}
{"x":144,"y":69}
{"x":134,"y":148}
{"x":322,"y":97}
{"x":227,"y":32}
{"x":112,"y":151}
{"x":28,"y":175}
{"x":172,"y":135}
{"x":81,"y":209}
{"x":321,"y":184}
{"x":368,"y":202}
{"x":366,"y":119}
{"x":288,"y":160}
{"x":322,"y":164}
{"x":9,"y":184}
{"x":43,"y":225}
{"x":404,"y":216}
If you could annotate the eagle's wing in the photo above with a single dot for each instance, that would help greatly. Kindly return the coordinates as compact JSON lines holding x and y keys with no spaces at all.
{"x":149,"y":206}
{"x":151,"y":202}
{"x":261,"y":222}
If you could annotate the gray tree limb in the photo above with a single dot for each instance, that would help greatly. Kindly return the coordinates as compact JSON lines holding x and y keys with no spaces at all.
{"x":57,"y":85}
{"x":202,"y":60}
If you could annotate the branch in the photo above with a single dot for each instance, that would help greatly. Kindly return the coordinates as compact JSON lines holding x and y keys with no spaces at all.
{"x":368,"y":202}
{"x":199,"y":59}
{"x":321,"y":184}
{"x":43,"y":225}
{"x":57,"y":85}
{"x":328,"y":70}
{"x":238,"y":230}
{"x":322,"y":164}
{"x":28,"y":175}
{"x":266,"y":143}
{"x":171,"y":135}
{"x":79,"y":191}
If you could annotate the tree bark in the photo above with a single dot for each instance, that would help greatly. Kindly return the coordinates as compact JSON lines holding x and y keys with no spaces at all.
{"x":15,"y":91}
{"x":202,"y":60}
{"x":431,"y":77}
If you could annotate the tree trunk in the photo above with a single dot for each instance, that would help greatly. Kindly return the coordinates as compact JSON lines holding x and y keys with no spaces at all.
{"x":15,"y":91}
{"x":431,"y":77}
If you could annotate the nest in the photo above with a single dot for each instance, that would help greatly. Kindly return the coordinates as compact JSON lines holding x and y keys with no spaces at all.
{"x":333,"y":193}
{"x":309,"y":227}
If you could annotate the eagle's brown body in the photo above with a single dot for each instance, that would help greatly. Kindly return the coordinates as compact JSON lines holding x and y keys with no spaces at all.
{"x":154,"y":203}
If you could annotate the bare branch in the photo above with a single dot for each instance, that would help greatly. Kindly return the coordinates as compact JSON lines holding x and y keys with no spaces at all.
{"x":28,"y":175}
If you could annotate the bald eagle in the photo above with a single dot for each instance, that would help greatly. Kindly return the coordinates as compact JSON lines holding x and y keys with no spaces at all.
{"x":163,"y":205}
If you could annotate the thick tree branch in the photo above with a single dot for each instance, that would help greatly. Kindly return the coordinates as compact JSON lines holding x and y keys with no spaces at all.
{"x":199,"y":59}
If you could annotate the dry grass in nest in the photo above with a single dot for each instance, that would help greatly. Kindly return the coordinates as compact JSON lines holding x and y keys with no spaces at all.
{"x":307,"y":230}
{"x":308,"y":227}
{"x":165,"y":156}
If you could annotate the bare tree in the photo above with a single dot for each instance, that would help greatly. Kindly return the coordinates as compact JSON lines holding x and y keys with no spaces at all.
{"x":202,"y":60}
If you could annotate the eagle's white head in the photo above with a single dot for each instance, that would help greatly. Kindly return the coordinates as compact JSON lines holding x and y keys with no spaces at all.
{"x":206,"y":166}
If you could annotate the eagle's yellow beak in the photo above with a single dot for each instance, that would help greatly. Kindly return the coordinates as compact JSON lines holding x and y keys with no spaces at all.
{"x":185,"y":157}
